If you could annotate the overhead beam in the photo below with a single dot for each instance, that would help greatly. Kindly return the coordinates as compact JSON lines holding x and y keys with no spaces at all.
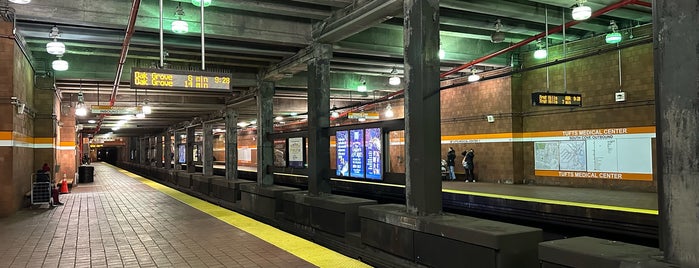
{"x":271,"y":8}
{"x":356,"y":20}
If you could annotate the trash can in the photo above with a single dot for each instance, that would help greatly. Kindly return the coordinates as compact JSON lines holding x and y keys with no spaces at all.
{"x":86,"y":174}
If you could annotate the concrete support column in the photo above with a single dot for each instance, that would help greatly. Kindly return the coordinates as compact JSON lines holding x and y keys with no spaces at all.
{"x":208,"y":149}
{"x":134,"y":148}
{"x":189,"y":158}
{"x":176,"y":157}
{"x":142,"y":150}
{"x":319,"y":120}
{"x":422,"y":119}
{"x":168,"y":150}
{"x":265,"y":126}
{"x":676,"y":43}
{"x":159,"y":151}
{"x":231,"y":144}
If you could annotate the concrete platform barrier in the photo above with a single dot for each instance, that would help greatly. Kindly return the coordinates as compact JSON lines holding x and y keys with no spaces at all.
{"x":448,"y":240}
{"x":587,"y":251}
{"x":334,"y":214}
{"x":227,"y":190}
{"x":201,"y":184}
{"x":184,"y":179}
{"x":263,"y":201}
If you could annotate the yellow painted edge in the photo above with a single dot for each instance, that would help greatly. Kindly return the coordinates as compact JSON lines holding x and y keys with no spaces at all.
{"x":302,"y":248}
{"x":521,"y":198}
{"x":556,"y":202}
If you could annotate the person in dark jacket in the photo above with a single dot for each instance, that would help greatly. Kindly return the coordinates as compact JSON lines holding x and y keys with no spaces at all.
{"x":451,"y":157}
{"x":468,"y":165}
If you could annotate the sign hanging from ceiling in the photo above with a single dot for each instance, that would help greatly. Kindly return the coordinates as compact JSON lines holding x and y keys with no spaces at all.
{"x":106,"y":109}
{"x":178,"y":79}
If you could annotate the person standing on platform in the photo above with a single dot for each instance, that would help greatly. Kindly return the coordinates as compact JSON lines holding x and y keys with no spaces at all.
{"x":451,"y":157}
{"x":468,"y":165}
{"x":54,"y":194}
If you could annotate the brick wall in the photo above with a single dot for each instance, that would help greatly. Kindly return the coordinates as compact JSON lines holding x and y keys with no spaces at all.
{"x":597,"y":79}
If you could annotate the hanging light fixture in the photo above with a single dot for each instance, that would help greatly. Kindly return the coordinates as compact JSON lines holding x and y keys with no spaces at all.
{"x":334,"y":114}
{"x":362,"y":85}
{"x":21,"y":2}
{"x":473,"y":77}
{"x":540,"y":52}
{"x":147,"y":109}
{"x":59,"y":64}
{"x":497,"y":36}
{"x":581,"y":11}
{"x":80,"y":109}
{"x":54,"y":47}
{"x":139,"y":110}
{"x":389,"y":111}
{"x":613,"y":37}
{"x":198,"y":3}
{"x":394,"y":80}
{"x":179,"y":26}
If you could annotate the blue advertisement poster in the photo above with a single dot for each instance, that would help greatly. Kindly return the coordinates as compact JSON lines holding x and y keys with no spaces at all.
{"x":373,"y":158}
{"x":182,"y":151}
{"x":342,"y":155}
{"x":357,"y":153}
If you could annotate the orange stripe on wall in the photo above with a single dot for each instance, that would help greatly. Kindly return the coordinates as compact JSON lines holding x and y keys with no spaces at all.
{"x":67,"y":143}
{"x":595,"y":175}
{"x":43,"y":140}
{"x":5,"y":135}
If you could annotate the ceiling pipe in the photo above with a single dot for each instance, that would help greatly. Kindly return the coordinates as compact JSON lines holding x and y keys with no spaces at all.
{"x":641,"y":3}
{"x":536,"y":37}
{"x":122,"y":57}
{"x":517,"y":45}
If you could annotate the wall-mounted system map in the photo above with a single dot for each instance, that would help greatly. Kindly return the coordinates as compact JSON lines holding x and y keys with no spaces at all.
{"x":599,"y":153}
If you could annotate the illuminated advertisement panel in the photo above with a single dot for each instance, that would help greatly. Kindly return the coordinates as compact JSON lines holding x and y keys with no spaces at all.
{"x":342,"y":153}
{"x":372,"y":144}
{"x":357,"y":153}
{"x":296,"y":152}
{"x":182,"y":154}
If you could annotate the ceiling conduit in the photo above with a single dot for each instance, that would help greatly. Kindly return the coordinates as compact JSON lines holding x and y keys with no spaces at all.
{"x":130,"y":28}
{"x":516,"y":45}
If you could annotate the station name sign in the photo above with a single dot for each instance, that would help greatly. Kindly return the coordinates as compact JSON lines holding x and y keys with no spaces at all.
{"x":180,"y":80}
{"x":556,"y":99}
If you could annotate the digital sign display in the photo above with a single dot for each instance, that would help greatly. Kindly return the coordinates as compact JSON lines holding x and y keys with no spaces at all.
{"x":556,"y":99}
{"x":372,"y":146}
{"x":177,"y":79}
{"x":357,"y":153}
{"x":341,"y":147}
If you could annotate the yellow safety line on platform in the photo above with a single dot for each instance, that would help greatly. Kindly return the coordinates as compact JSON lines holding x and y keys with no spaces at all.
{"x":520,"y":198}
{"x":302,"y":248}
{"x":555,"y":202}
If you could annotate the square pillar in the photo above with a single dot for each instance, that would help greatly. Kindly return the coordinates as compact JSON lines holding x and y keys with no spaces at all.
{"x":319,"y":120}
{"x":422,"y":115}
{"x":208,"y":149}
{"x":265,"y":126}
{"x":231,"y":144}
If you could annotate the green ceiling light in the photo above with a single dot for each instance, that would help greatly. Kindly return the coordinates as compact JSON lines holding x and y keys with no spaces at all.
{"x":198,"y":3}
{"x":613,"y":37}
{"x":540,"y":52}
{"x":179,"y":26}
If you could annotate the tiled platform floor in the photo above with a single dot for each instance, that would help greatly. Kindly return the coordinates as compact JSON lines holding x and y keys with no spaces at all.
{"x":118,"y":221}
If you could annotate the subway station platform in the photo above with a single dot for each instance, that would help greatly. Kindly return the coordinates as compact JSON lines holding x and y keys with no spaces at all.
{"x":124,"y":220}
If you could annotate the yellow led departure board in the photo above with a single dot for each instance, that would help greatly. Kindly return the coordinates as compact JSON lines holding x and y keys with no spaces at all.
{"x":557,"y":99}
{"x":177,"y":79}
